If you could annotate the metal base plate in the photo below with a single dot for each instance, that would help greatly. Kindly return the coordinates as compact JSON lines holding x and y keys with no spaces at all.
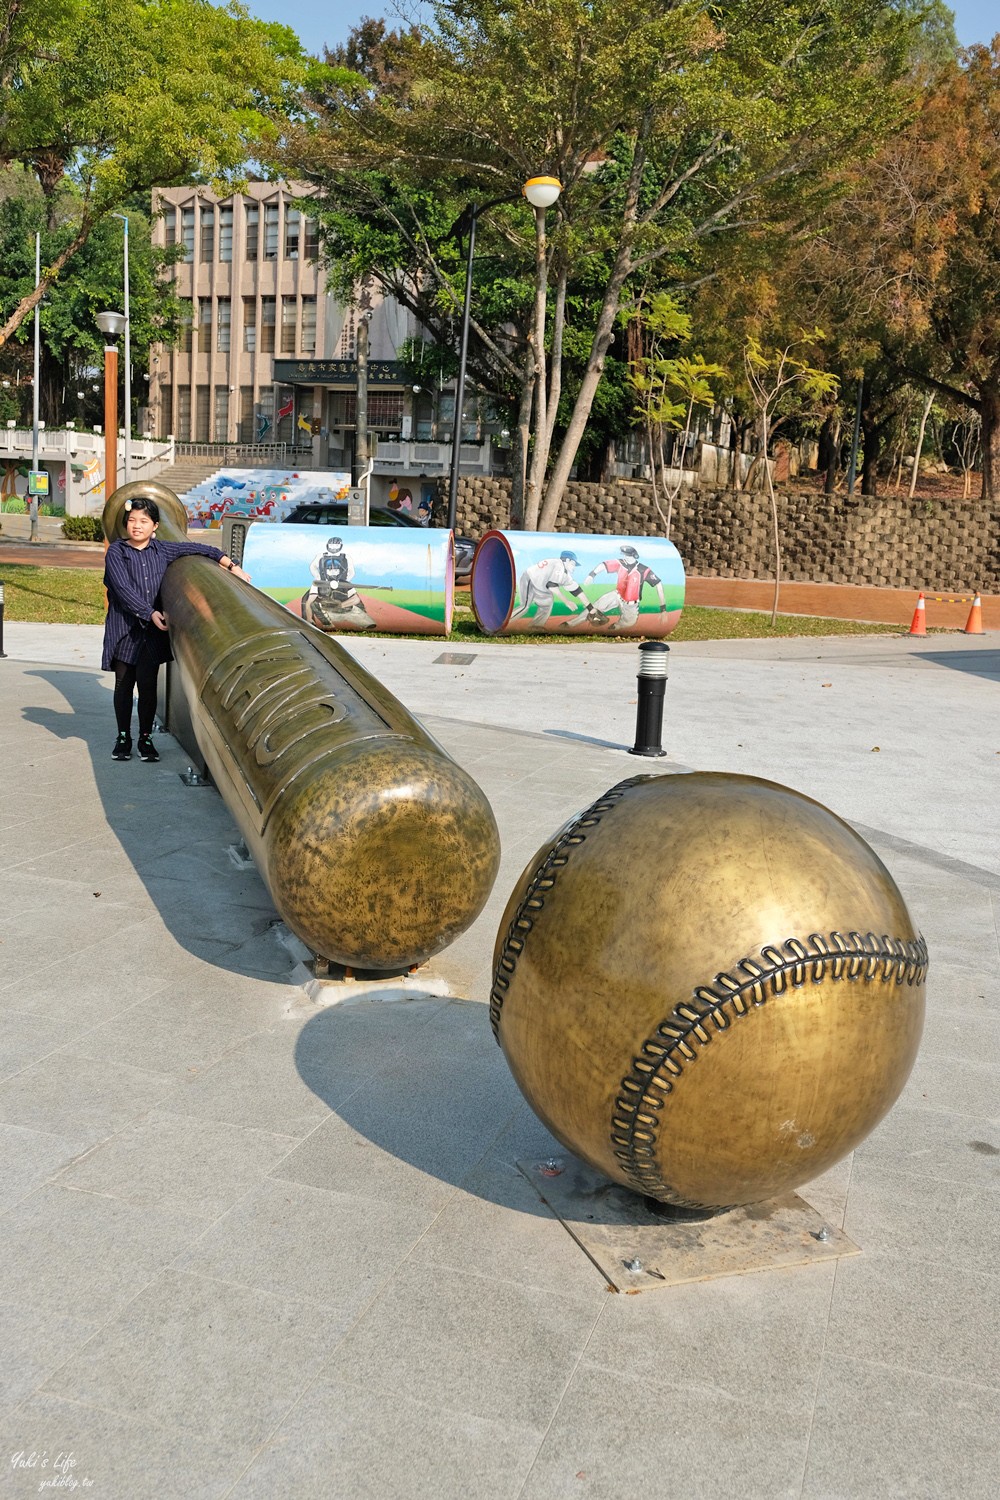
{"x":637,"y":1251}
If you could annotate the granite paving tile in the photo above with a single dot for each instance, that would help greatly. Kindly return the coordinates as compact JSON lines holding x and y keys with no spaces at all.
{"x":33,"y":1343}
{"x":106,"y":1250}
{"x":493,"y":1349}
{"x":198,"y":1166}
{"x":885,"y":1434}
{"x":78,"y":1097}
{"x":918,"y":1315}
{"x":668,"y":1431}
{"x":219,"y":1362}
{"x":120,"y":1455}
{"x":304,"y":1242}
{"x":344,"y":1439}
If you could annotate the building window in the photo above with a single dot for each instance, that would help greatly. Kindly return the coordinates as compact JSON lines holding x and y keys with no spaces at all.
{"x":226,"y":232}
{"x":187,"y":232}
{"x":470,"y":419}
{"x":292,"y":231}
{"x":170,"y":225}
{"x":207,"y":232}
{"x":307,"y":343}
{"x":223,"y":327}
{"x":385,"y":409}
{"x":247,"y":432}
{"x":268,"y":310}
{"x":187,"y":336}
{"x":288,"y":325}
{"x":423,"y":419}
{"x":183,"y":433}
{"x":201,"y":412}
{"x":204,"y":326}
{"x":252,"y":211}
{"x":310,"y":245}
{"x":250,"y":324}
{"x":221,"y":428}
{"x":166,"y":411}
{"x":271,"y":213}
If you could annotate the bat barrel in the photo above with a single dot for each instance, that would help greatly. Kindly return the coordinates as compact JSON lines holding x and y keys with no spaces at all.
{"x":377,"y":848}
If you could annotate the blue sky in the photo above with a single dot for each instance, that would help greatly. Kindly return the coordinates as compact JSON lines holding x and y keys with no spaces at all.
{"x":320,"y":22}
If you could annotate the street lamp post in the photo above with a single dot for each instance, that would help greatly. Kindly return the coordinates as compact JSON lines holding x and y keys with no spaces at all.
{"x":32,"y":496}
{"x":111,"y":325}
{"x":128,"y":357}
{"x":541,"y":193}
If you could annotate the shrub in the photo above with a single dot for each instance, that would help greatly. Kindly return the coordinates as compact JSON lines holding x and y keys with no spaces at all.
{"x":83,"y":529}
{"x":15,"y":506}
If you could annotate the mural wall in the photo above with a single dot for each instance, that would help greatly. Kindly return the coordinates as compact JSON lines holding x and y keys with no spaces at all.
{"x":263,"y":494}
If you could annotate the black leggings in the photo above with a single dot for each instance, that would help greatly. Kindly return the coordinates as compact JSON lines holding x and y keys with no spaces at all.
{"x":128,"y":676}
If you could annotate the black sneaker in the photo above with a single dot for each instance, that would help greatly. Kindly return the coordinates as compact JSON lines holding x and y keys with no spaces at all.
{"x":123,"y":747}
{"x":147,"y":750}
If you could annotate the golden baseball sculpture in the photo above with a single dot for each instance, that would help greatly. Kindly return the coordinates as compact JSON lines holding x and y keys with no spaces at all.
{"x":708,"y":987}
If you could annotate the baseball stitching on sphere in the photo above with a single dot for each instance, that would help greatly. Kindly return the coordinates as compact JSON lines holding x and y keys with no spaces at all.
{"x":713,"y":1007}
{"x":538,"y":887}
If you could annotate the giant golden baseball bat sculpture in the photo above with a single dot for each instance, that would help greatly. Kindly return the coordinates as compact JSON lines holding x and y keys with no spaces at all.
{"x":378,"y":850}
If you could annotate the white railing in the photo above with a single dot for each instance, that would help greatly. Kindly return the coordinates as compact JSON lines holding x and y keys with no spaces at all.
{"x":231,"y":454}
{"x":423,"y":457}
{"x":75,"y":442}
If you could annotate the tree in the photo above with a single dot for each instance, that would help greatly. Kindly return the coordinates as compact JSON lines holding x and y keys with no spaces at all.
{"x":915,"y":245}
{"x":783,"y":383}
{"x":71,"y":346}
{"x":670,"y":128}
{"x":668,"y":388}
{"x":117,"y":96}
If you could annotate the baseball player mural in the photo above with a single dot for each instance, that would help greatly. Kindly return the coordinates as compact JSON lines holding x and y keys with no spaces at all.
{"x":539,"y":584}
{"x":630,"y":576}
{"x":576,"y":584}
{"x":333,"y":603}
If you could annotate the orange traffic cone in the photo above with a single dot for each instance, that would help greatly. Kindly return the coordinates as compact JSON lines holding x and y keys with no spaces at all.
{"x":974,"y":624}
{"x":918,"y":625}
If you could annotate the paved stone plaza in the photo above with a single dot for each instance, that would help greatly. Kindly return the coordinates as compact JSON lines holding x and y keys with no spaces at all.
{"x":253,"y":1245}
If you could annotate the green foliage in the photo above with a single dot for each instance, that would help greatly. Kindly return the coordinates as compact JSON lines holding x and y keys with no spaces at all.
{"x":83,"y":529}
{"x":676,"y":131}
{"x":112,"y":97}
{"x":72,"y":347}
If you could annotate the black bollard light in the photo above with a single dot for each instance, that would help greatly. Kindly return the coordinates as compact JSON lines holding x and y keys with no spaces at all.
{"x":652,"y":680}
{"x":2,"y":651}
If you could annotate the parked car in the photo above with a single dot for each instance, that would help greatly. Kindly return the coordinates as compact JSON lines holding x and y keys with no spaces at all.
{"x":335,"y":514}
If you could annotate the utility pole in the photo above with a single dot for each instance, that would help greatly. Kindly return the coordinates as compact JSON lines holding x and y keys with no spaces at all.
{"x":361,"y":417}
{"x":32,"y":494}
{"x":128,"y":359}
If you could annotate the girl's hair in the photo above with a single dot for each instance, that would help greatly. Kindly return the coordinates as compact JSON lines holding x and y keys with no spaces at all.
{"x":149,"y":506}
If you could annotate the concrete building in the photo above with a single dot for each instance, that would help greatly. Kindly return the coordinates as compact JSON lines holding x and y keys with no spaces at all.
{"x":269,"y":356}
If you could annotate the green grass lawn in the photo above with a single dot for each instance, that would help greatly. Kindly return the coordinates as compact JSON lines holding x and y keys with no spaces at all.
{"x":75,"y":596}
{"x":53,"y":596}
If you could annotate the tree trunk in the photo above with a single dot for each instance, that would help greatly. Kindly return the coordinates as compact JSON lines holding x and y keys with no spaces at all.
{"x":522,"y":435}
{"x":873,"y":448}
{"x":829,"y":442}
{"x":603,"y":335}
{"x":990,"y":412}
{"x":28,"y":303}
{"x":920,"y":443}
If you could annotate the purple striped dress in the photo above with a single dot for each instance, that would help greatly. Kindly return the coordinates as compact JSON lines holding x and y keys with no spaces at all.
{"x":132,"y":577}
